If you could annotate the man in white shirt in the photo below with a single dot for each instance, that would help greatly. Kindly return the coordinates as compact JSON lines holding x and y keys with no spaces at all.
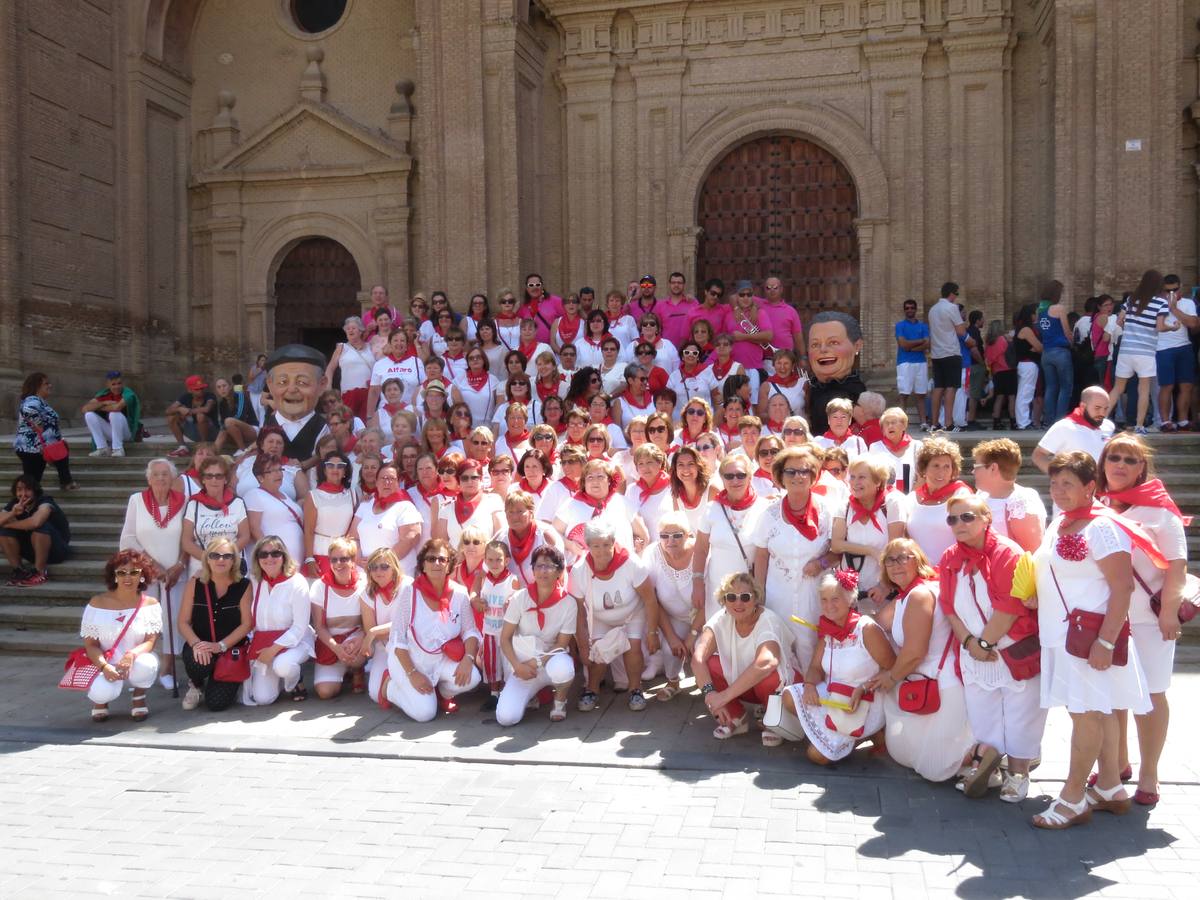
{"x":1086,"y":428}
{"x":946,"y":325}
{"x":1174,"y":358}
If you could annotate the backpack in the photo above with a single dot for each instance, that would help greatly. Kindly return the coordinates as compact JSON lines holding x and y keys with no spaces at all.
{"x":1010,"y":351}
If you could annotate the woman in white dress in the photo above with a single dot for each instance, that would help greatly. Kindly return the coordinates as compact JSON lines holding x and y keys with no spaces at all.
{"x":271,"y":511}
{"x":212,"y":513}
{"x":669,"y":561}
{"x":120,"y":629}
{"x":355,"y":361}
{"x":791,"y":540}
{"x":282,"y":638}
{"x":425,"y":493}
{"x":851,"y":651}
{"x":1089,"y":664}
{"x":722,"y":536}
{"x":649,"y":496}
{"x":897,"y":447}
{"x":328,"y":510}
{"x":336,"y":600}
{"x":938,"y":467}
{"x":489,"y":343}
{"x":999,"y":655}
{"x":270,"y":442}
{"x":154,"y":526}
{"x":385,"y":581}
{"x":872,"y":516}
{"x":635,"y":436}
{"x":599,"y":501}
{"x":433,"y":643}
{"x":1125,"y":481}
{"x":477,"y":388}
{"x":933,"y":743}
{"x":539,"y":624}
{"x":472,"y":506}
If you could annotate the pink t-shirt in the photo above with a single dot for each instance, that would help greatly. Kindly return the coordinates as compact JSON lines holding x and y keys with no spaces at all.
{"x":748,"y":353}
{"x":676,"y":319}
{"x":785,"y":324}
{"x":715,"y":317}
{"x":549,"y":309}
{"x":994,"y":356}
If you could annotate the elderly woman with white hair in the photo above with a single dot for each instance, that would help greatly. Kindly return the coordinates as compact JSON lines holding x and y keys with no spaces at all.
{"x":282,"y":639}
{"x":620,"y":608}
{"x":154,"y":525}
{"x":355,"y":361}
{"x":897,"y":447}
{"x":722,"y":547}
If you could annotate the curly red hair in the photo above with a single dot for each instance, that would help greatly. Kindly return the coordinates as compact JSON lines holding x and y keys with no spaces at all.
{"x":134,"y":558}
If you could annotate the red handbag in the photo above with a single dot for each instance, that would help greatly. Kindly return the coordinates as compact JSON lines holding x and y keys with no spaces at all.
{"x":1023,"y":657}
{"x":1187,"y":608}
{"x":233,"y":665}
{"x":454,"y":649}
{"x":1083,"y":630}
{"x":79,"y":671}
{"x":263,"y":640}
{"x":52,"y":451}
{"x":921,"y":695}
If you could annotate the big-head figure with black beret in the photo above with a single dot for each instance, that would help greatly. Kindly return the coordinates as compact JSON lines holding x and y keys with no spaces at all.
{"x":295,"y":379}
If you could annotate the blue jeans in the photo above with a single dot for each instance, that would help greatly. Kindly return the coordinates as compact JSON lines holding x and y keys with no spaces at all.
{"x":1059,"y":372}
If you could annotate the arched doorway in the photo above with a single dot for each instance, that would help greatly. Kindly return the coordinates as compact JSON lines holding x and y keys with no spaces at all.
{"x":316,"y":288}
{"x":782,"y":206}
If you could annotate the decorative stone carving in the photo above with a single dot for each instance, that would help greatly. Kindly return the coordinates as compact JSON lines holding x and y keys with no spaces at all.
{"x":312,"y":82}
{"x":400,"y":117}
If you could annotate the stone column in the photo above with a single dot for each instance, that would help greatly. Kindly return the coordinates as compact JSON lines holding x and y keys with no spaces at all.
{"x":11,"y":271}
{"x":877,"y":360}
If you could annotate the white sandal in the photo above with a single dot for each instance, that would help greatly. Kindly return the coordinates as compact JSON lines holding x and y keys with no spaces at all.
{"x":1015,"y":788}
{"x":1106,"y":800}
{"x":669,"y":691}
{"x":771,"y":739}
{"x":1053,"y":820}
{"x":725,"y":732}
{"x":139,"y":710}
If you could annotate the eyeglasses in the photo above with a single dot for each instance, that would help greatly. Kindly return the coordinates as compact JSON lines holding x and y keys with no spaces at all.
{"x":213,"y":476}
{"x":479,"y":442}
{"x":1127,"y":460}
{"x":734,"y":476}
{"x":379,"y":567}
{"x":595,"y":439}
{"x":466,"y":476}
{"x":646,"y":353}
{"x":669,"y":535}
{"x":473,"y":542}
{"x":793,"y":432}
{"x":462,"y":414}
{"x":340,"y":560}
{"x":694,"y":411}
{"x":437,"y":560}
{"x":507,"y":301}
{"x":835,"y":471}
{"x":902,"y":560}
{"x":127,"y":573}
{"x":795,"y":473}
{"x":705,"y":448}
{"x":270,"y":554}
{"x":224,"y":556}
{"x":745,"y":597}
{"x":713,"y":292}
{"x":657,"y":429}
{"x":546,"y":567}
{"x":966,"y":518}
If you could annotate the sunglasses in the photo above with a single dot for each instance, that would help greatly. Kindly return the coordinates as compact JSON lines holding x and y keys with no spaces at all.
{"x":596,"y":439}
{"x":340,"y":560}
{"x":645,"y":353}
{"x":734,"y":476}
{"x":657,"y":429}
{"x":546,"y":567}
{"x":437,"y":560}
{"x":534,"y":284}
{"x":669,"y":535}
{"x":269,"y":554}
{"x":213,"y":476}
{"x":793,"y":432}
{"x":543,"y":437}
{"x":466,"y":477}
{"x":507,"y":301}
{"x":691,"y":352}
{"x":480,"y":443}
{"x":225,"y":556}
{"x":966,"y":518}
{"x":335,"y":465}
{"x":379,"y":567}
{"x":462,"y":414}
{"x":835,"y":471}
{"x":713,"y":292}
{"x":127,"y":573}
{"x":705,"y":448}
{"x":1127,"y":460}
{"x":473,"y":542}
{"x":769,"y":451}
{"x":902,"y":560}
{"x":745,"y":597}
{"x":594,"y":380}
{"x":694,"y":411}
{"x":794,"y":473}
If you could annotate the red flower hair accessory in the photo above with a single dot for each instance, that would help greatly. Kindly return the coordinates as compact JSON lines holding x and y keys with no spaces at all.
{"x":847,"y":579}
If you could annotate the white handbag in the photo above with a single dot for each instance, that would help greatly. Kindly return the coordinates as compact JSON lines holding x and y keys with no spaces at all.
{"x":609,"y":647}
{"x":783,"y":723}
{"x":841,"y":719}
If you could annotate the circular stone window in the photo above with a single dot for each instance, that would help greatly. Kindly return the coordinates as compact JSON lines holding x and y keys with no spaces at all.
{"x":316,"y":16}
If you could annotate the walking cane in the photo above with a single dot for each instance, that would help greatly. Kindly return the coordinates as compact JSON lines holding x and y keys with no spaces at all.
{"x":166,"y":599}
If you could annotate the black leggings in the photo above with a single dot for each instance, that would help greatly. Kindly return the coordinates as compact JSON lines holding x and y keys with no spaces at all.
{"x":34,"y":465}
{"x":218,"y":695}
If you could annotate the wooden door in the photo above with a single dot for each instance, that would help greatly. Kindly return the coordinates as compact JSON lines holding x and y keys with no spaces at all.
{"x":782,"y":206}
{"x":316,"y":288}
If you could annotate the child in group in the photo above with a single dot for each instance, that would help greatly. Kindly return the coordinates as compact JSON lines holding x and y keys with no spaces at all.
{"x":493,"y":587}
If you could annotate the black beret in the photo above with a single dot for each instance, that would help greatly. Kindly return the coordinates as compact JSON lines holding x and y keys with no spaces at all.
{"x":296,"y":353}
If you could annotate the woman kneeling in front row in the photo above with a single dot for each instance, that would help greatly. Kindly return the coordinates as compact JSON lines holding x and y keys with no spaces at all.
{"x":538,"y":627}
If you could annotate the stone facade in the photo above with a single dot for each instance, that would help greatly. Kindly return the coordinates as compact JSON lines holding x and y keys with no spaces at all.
{"x":160,"y":158}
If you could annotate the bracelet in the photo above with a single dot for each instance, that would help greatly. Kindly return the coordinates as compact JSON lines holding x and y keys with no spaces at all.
{"x":697,"y":576}
{"x":967,"y":640}
{"x":1107,"y":645}
{"x":707,"y":689}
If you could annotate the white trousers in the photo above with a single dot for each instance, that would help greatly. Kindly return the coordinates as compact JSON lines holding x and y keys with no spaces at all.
{"x":1010,"y":721}
{"x":262,"y":689}
{"x":377,"y":665}
{"x":1027,"y":376}
{"x":114,"y":431}
{"x":141,"y":675}
{"x":559,"y":671}
{"x":440,"y":672}
{"x":664,"y":660}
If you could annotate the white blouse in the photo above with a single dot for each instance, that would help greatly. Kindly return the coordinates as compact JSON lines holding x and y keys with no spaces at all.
{"x":105,"y":625}
{"x":287,"y":607}
{"x":141,"y":532}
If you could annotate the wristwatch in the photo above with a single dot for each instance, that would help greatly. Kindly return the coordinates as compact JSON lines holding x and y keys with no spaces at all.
{"x":985,"y":645}
{"x":221,"y":644}
{"x":1107,"y":645}
{"x":707,"y":689}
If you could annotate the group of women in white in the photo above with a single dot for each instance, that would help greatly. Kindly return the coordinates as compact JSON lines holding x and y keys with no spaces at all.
{"x":835,"y":590}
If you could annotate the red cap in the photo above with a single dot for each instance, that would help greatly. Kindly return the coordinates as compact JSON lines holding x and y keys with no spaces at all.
{"x":195,"y":383}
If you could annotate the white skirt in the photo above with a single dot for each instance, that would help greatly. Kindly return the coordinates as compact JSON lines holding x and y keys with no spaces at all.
{"x":1069,"y":681}
{"x":1011,"y":721}
{"x":935,"y":745}
{"x":829,"y":743}
{"x":1156,"y":656}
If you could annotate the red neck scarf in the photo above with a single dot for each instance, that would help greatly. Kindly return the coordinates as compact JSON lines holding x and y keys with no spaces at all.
{"x":222,"y":504}
{"x":466,"y":576}
{"x":638,"y":403}
{"x":900,"y":446}
{"x":570,"y":484}
{"x":192,"y":474}
{"x":860,"y":513}
{"x":912,"y":585}
{"x":1076,"y":416}
{"x":690,"y":504}
{"x":464,"y":508}
{"x":545,"y":392}
{"x":399,"y":359}
{"x":560,"y":428}
{"x":619,"y":558}
{"x":805,"y":521}
{"x":661,"y":483}
{"x":428,"y":496}
{"x":326,"y":488}
{"x":730,"y":431}
{"x":1140,"y":538}
{"x":785,"y":382}
{"x":331,"y":581}
{"x":527,"y":350}
{"x":512,"y":438}
{"x":425,"y":588}
{"x":175,"y":503}
{"x":691,"y":371}
{"x":831,"y":630}
{"x":524,"y":485}
{"x":540,"y":606}
{"x":995,"y":561}
{"x":760,"y":472}
{"x":745,"y":503}
{"x":477,"y":380}
{"x":454,"y":356}
{"x":392,"y":408}
{"x":568,"y":328}
{"x":383,"y":503}
{"x":1152,"y":493}
{"x":941,"y":495}
{"x":387,"y":592}
{"x":598,"y":506}
{"x":775,"y":425}
{"x":521,"y":547}
{"x":722,"y":369}
{"x":276,"y":581}
{"x":838,"y":441}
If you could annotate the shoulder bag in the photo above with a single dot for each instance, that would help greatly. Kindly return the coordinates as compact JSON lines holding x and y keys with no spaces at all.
{"x":52,"y":451}
{"x":1023,"y":657}
{"x":1083,"y":630}
{"x":261,"y":640}
{"x":741,"y":549}
{"x":919,"y":694}
{"x":79,"y":671}
{"x":454,"y":649}
{"x":1187,"y":609}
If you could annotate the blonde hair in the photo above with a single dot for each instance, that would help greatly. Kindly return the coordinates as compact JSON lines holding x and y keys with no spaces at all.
{"x":1004,"y":452}
{"x":346,"y":544}
{"x":650,"y":450}
{"x":881,"y":472}
{"x":235,"y":572}
{"x":894,"y":412}
{"x":384,"y":555}
{"x":975,"y":502}
{"x":270,"y":541}
{"x":678,"y":518}
{"x":727,"y":583}
{"x":907,"y":545}
{"x":839,"y":404}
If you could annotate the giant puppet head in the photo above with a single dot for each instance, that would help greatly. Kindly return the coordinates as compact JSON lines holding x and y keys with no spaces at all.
{"x":834,"y":342}
{"x":295,"y":378}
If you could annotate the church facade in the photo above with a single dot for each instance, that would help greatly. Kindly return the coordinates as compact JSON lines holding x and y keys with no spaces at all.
{"x":184,"y":183}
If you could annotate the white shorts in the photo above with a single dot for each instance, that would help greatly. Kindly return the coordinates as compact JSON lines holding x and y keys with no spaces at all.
{"x":1130,"y":364}
{"x":912,"y":378}
{"x":635,"y":627}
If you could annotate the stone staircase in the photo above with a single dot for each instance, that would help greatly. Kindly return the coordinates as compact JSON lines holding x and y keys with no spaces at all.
{"x":45,"y":618}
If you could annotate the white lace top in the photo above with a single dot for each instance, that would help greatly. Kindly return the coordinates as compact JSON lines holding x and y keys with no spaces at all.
{"x":105,"y":625}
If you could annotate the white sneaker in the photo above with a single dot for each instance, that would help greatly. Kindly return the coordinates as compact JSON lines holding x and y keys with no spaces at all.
{"x":192,"y":698}
{"x":167,"y":681}
{"x":101,"y":451}
{"x":118,"y":453}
